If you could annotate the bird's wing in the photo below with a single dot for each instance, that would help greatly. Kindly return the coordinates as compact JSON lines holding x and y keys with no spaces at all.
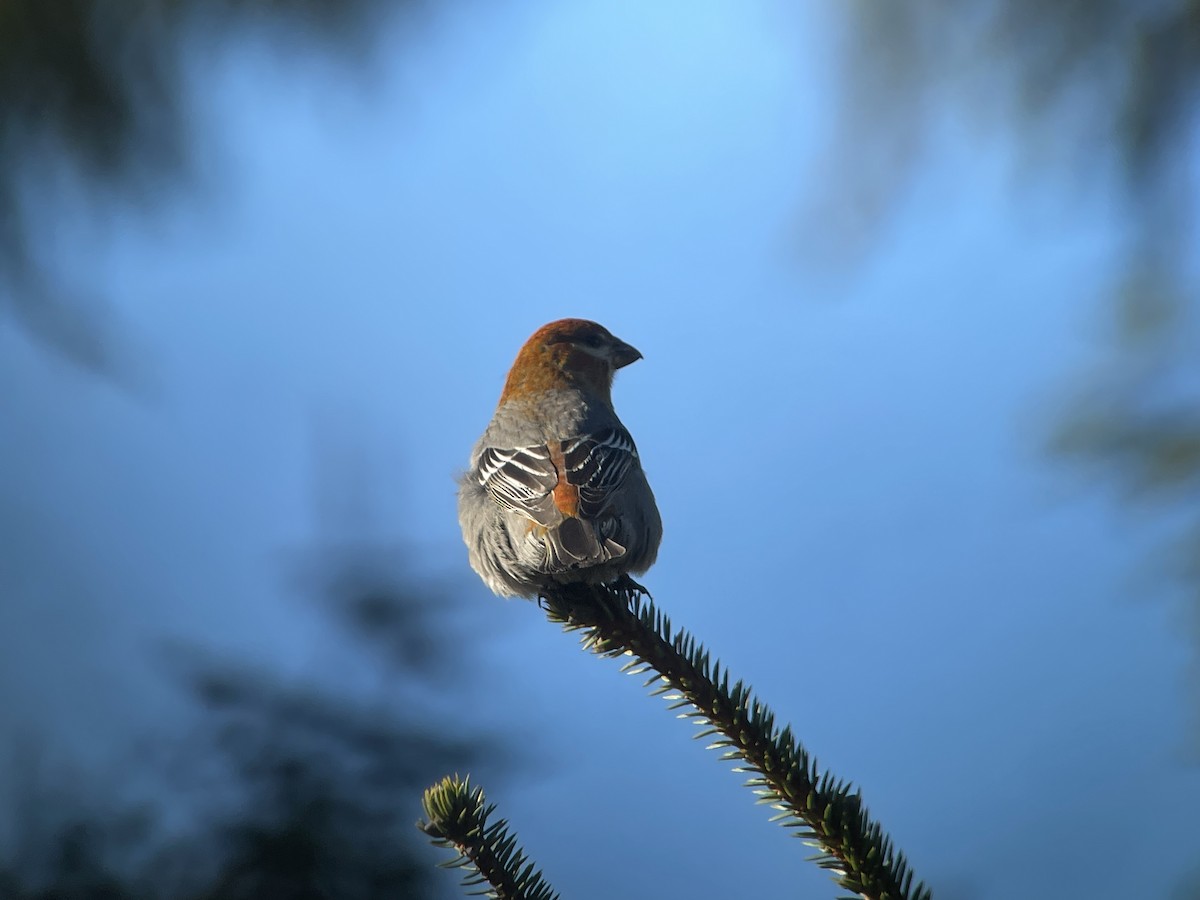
{"x":522,"y":479}
{"x":598,"y":464}
{"x":573,"y":478}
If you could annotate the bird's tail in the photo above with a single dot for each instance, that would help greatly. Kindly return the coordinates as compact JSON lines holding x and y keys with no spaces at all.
{"x":576,"y":544}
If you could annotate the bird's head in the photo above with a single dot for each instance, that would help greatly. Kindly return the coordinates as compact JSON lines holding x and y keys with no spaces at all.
{"x":574,"y":352}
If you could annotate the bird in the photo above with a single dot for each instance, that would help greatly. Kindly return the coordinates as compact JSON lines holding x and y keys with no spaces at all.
{"x":554,"y":493}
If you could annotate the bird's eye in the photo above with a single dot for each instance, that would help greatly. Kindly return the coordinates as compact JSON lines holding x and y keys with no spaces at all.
{"x":593,"y":340}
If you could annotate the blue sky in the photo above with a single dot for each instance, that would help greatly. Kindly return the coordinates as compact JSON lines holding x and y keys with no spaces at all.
{"x":860,"y":518}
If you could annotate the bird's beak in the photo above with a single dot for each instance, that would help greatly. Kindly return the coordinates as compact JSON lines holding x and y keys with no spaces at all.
{"x":623,"y":354}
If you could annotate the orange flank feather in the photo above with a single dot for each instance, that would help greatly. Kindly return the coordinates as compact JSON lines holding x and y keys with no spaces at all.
{"x":566,"y":495}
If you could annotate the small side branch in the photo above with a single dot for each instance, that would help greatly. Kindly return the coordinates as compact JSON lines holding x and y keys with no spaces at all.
{"x":824,"y":811}
{"x":457,"y":818}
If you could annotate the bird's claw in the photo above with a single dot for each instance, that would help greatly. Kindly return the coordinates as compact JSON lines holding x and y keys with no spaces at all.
{"x":629,"y":588}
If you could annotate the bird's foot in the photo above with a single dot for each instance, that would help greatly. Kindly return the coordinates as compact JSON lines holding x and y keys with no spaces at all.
{"x":629,"y":588}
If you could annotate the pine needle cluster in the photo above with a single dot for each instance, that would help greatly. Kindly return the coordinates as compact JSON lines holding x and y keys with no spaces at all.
{"x":822,"y":810}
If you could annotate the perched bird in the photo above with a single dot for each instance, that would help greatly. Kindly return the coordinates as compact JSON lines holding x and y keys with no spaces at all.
{"x":555,"y":492}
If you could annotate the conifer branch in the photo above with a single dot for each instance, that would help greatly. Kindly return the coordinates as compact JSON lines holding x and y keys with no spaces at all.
{"x":825,"y":812}
{"x":458,"y":820}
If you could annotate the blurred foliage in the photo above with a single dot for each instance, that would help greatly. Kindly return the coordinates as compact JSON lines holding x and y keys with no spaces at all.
{"x":1089,"y":87}
{"x":318,"y":804}
{"x":1189,"y":889}
{"x":92,"y":100}
{"x":293,"y":790}
{"x":1099,"y":94}
{"x":289,"y":790}
{"x":1136,"y":425}
{"x":327,"y":792}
